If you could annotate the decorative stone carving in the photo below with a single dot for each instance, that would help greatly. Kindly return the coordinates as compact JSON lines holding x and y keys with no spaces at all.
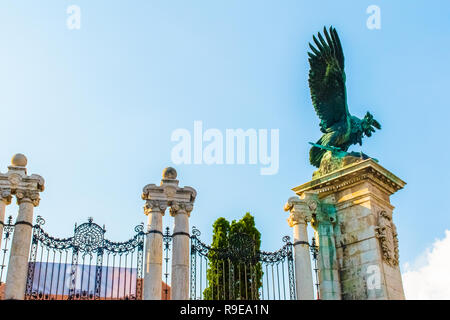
{"x":366,"y":170}
{"x":5,"y":195}
{"x":24,"y":195}
{"x":301,"y":210}
{"x":14,"y":179}
{"x":155,"y":205}
{"x":169,"y":190}
{"x":181,"y":208}
{"x":17,"y":182}
{"x":38,"y":181}
{"x":297,"y":217}
{"x":387,"y":234}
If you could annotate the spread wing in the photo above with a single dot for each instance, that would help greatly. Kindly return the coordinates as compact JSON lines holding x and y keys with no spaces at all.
{"x":327,"y":78}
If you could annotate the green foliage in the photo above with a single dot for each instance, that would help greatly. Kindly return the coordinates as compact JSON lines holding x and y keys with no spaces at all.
{"x":234,"y":271}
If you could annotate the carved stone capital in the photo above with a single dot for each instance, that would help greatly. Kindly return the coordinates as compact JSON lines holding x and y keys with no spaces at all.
{"x":5,"y":195}
{"x":155,"y":206}
{"x":301,"y":210}
{"x":298,"y":217}
{"x":181,"y":208}
{"x":25,"y":195}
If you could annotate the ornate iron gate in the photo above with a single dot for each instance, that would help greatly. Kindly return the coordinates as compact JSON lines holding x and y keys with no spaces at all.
{"x":240,"y":272}
{"x":85,"y":266}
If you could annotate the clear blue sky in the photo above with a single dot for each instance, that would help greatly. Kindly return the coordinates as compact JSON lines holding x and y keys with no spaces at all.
{"x":93,"y":109}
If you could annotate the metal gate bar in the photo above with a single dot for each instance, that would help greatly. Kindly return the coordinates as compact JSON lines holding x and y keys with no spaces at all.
{"x":241,"y":271}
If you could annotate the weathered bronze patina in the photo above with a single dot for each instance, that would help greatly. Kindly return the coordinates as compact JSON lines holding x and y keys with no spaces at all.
{"x":328,"y":93}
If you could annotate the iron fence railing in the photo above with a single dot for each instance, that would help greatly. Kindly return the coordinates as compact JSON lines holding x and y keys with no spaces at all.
{"x":240,"y":271}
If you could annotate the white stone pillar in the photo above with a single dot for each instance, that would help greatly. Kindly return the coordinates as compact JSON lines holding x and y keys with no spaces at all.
{"x":26,"y":188}
{"x":155,"y":210}
{"x":300,"y":214}
{"x":16,"y":278}
{"x":5,"y":199}
{"x":180,"y":250}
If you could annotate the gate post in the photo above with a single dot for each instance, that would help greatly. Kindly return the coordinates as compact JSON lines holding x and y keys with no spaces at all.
{"x":26,"y":188}
{"x":155,"y":210}
{"x":181,"y":201}
{"x":301,"y":212}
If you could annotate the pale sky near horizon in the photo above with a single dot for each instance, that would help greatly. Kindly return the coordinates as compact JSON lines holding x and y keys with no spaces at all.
{"x":93,"y":109}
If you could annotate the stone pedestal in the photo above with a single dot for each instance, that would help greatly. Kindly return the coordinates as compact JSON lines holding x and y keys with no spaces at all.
{"x":358,"y":242}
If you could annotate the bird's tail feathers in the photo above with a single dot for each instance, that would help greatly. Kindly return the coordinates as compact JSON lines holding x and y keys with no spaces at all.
{"x":316,"y":154}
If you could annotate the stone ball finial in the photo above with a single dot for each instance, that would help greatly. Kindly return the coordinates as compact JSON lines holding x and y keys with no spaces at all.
{"x":19,"y":160}
{"x":169,"y":173}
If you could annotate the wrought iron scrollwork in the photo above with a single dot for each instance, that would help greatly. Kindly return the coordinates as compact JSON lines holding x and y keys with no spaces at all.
{"x":241,"y":259}
{"x":88,"y":241}
{"x":89,"y":237}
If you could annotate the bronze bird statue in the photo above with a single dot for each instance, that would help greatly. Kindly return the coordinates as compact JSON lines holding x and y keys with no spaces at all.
{"x":328,"y":93}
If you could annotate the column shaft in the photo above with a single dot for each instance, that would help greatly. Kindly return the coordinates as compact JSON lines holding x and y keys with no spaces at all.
{"x":2,"y":218}
{"x":328,"y":265}
{"x":16,"y":278}
{"x":180,"y":257}
{"x":153,"y":257}
{"x":303,"y":270}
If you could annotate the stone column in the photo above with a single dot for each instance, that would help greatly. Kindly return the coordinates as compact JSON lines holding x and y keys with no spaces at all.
{"x":5,"y":199}
{"x":16,"y":278}
{"x":180,"y":251}
{"x":329,"y":279}
{"x":26,"y":188}
{"x":155,"y":210}
{"x":300,"y":214}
